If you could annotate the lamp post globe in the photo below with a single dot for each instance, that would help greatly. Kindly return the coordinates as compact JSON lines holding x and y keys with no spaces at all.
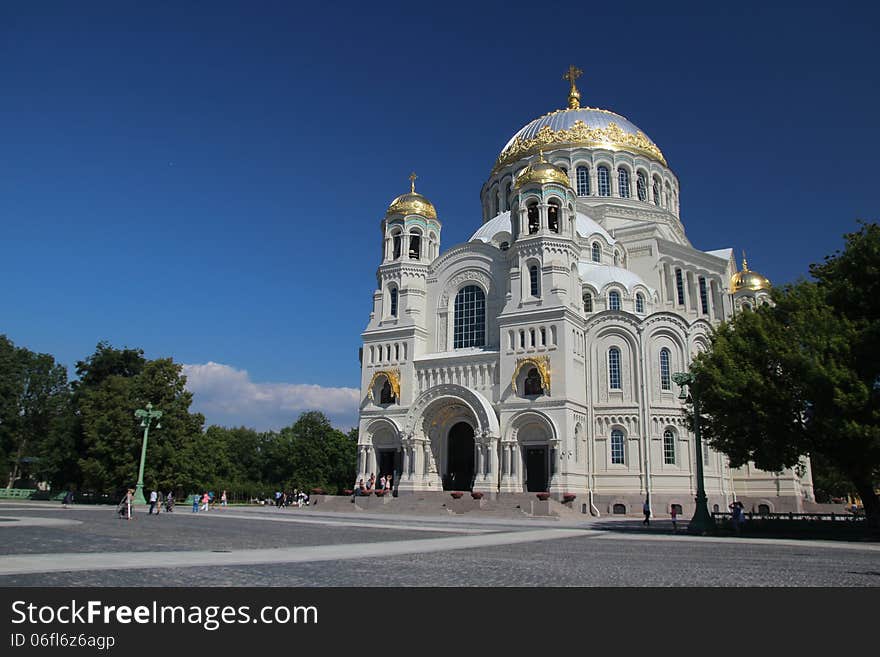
{"x":702,"y":522}
{"x":146,"y":416}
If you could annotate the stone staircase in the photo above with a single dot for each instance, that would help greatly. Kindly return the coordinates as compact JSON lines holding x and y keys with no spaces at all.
{"x":511,"y":505}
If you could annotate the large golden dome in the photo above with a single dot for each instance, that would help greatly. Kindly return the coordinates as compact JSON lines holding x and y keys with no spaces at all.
{"x":590,"y":127}
{"x":412,"y":203}
{"x":748,"y":280}
{"x":541,"y":172}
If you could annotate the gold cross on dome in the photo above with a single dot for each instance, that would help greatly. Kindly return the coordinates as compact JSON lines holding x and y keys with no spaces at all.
{"x":412,"y":182}
{"x":574,"y":96}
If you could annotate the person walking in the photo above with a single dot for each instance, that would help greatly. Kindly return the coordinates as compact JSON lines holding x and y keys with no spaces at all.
{"x":673,"y":512}
{"x":154,"y":498}
{"x":196,"y":498}
{"x":646,"y":509}
{"x":205,"y":502}
{"x":169,"y":502}
{"x":129,"y":502}
{"x":223,"y":499}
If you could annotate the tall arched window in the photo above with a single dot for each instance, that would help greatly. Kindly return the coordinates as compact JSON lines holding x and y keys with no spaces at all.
{"x":704,"y":296}
{"x":583,"y":181}
{"x":614,"y":368}
{"x":679,"y":286}
{"x":396,"y":248}
{"x":553,"y":217}
{"x":534,"y":223}
{"x":614,"y":300}
{"x":669,"y":447}
{"x":623,"y":182}
{"x":642,"y":186}
{"x":665,"y":383}
{"x":534,"y":287}
{"x":655,"y":189}
{"x":617,"y":447}
{"x":597,"y":252}
{"x":640,"y":303}
{"x":415,"y":246}
{"x":588,"y":303}
{"x":604,"y":180}
{"x":469,"y":328}
{"x":387,"y":395}
{"x":393,"y":298}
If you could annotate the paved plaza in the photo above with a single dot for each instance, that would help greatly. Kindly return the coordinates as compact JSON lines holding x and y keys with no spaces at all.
{"x":44,"y":544}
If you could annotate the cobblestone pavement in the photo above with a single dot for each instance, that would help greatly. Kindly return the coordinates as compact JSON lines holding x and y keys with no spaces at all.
{"x":327,"y":550}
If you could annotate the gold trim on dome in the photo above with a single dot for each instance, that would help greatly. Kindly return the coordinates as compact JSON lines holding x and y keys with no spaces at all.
{"x":540,"y":173}
{"x":393,"y":377}
{"x":748,"y":279}
{"x":542,"y":363}
{"x":579,"y":134}
{"x":412,"y":203}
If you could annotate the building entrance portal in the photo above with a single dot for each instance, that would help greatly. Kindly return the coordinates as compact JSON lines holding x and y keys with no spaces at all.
{"x":386,"y":463}
{"x":536,"y":469}
{"x":460,"y":469}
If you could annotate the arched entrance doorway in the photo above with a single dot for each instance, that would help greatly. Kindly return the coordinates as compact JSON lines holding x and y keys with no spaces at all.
{"x":460,"y":460}
{"x":536,"y":468}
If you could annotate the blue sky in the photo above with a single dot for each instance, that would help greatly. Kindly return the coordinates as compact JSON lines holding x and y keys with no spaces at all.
{"x":206,"y":180}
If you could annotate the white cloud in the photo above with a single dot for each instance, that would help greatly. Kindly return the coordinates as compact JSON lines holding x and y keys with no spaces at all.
{"x":227,"y":396}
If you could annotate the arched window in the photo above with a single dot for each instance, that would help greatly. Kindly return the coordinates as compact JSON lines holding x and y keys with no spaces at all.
{"x":617,"y":446}
{"x":640,"y":303}
{"x":665,"y":382}
{"x":669,"y":447}
{"x":679,"y":286}
{"x":469,"y":328}
{"x":604,"y":179}
{"x":415,"y":246}
{"x":553,"y":217}
{"x":583,"y":181}
{"x":533,"y":219}
{"x":704,"y":297}
{"x":532,"y":385}
{"x":534,"y":287}
{"x":666,"y":200}
{"x":393,"y":305}
{"x":386,"y":396}
{"x":623,"y":182}
{"x":642,"y":186}
{"x":396,"y":248}
{"x":588,"y":303}
{"x":597,"y":252}
{"x":655,"y":189}
{"x":614,"y":300}
{"x":614,"y":368}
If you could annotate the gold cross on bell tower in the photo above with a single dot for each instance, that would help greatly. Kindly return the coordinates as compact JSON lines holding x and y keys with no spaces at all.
{"x":412,"y":182}
{"x":574,"y":96}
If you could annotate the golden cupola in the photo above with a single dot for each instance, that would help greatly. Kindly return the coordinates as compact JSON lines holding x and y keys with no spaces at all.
{"x":412,"y":203}
{"x":748,"y":280}
{"x":540,"y":173}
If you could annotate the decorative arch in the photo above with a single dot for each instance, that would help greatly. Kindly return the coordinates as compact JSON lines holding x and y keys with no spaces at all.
{"x":541,"y":363}
{"x":524,"y":418}
{"x":377,"y":426}
{"x":482,"y":410}
{"x":393,"y":377}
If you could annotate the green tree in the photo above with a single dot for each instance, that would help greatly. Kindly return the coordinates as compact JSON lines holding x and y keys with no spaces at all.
{"x":34,"y":408}
{"x":801,"y":377}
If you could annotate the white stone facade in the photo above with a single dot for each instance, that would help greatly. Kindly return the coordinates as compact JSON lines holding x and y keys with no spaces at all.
{"x":589,"y":303}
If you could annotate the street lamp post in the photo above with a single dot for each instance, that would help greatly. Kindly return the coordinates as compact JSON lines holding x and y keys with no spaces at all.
{"x":146,"y":416}
{"x":702,"y":522}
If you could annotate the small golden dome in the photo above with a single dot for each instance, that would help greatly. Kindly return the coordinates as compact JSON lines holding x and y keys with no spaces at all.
{"x":412,"y":203}
{"x":748,"y":280}
{"x":542,"y":172}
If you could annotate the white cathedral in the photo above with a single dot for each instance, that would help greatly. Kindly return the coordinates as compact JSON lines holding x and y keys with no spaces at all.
{"x":538,"y":356}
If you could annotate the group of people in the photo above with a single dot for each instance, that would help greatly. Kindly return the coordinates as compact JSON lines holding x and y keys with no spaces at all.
{"x":737,"y":515}
{"x":157,"y":501}
{"x":297,"y":498}
{"x":207,"y":501}
{"x":365,"y":488}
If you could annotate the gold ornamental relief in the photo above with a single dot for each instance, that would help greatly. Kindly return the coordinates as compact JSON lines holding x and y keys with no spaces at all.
{"x":393,"y":377}
{"x":541,"y":363}
{"x":580,"y":134}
